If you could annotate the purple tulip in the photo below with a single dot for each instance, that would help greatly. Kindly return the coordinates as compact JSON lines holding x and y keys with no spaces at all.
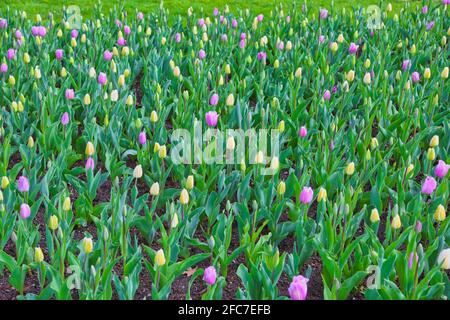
{"x":425,"y":9}
{"x":59,"y":54}
{"x":298,"y":288}
{"x":35,"y":31}
{"x":327,"y":95}
{"x":74,"y":33}
{"x":211,"y":118}
{"x":406,"y":64}
{"x":18,"y":34}
{"x":107,"y":55}
{"x":323,"y":13}
{"x":441,"y":169}
{"x":42,"y":31}
{"x":23,"y":185}
{"x":430,"y":25}
{"x":70,"y":94}
{"x":261,"y":56}
{"x":303,"y":132}
{"x":178,"y":37}
{"x":24,"y":211}
{"x":10,"y":54}
{"x":3,"y":23}
{"x":202,"y":54}
{"x":415,"y":77}
{"x":429,"y":185}
{"x":221,"y":19}
{"x":353,"y":48}
{"x":306,"y":195}
{"x":209,"y":275}
{"x":121,"y":42}
{"x":140,"y":16}
{"x":234,"y":23}
{"x":243,"y":36}
{"x":214,"y":100}
{"x":3,"y":68}
{"x":216,"y":12}
{"x":242,"y":44}
{"x":142,"y":138}
{"x":445,"y":2}
{"x":127,"y":30}
{"x":89,"y":164}
{"x":102,"y":78}
{"x":65,"y":119}
{"x":410,"y":260}
{"x":418,"y":226}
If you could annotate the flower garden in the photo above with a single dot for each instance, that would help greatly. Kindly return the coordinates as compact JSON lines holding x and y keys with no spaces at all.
{"x":346,"y":198}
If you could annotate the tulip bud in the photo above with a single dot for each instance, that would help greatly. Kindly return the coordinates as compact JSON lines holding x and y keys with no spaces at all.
{"x":439,"y":214}
{"x":5,"y":182}
{"x":160,"y":260}
{"x":427,"y":73}
{"x":38,"y":255}
{"x":153,"y":116}
{"x":298,"y":72}
{"x":374,"y":216}
{"x":322,"y":195}
{"x":431,"y":154}
{"x":154,"y":189}
{"x":396,"y":222}
{"x":30,"y":142}
{"x":162,"y":152}
{"x":409,"y":169}
{"x":184,"y":197}
{"x":174,"y":222}
{"x":87,"y":245}
{"x":444,"y":73}
{"x":67,"y":205}
{"x":89,"y":149}
{"x":137,"y":172}
{"x":350,"y":169}
{"x":434,"y":142}
{"x":53,"y":223}
{"x":281,"y":188}
{"x":190,"y":182}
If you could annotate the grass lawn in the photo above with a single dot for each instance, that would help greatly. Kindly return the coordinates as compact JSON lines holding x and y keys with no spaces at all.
{"x":181,"y":6}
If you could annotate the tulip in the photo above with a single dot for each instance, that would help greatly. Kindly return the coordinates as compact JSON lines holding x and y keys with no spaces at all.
{"x":427,"y":73}
{"x":214,"y":99}
{"x":38,"y":255}
{"x":429,"y":185}
{"x":184,"y":197}
{"x":306,"y":195}
{"x":434,"y":142}
{"x":142,"y":138}
{"x":431,"y":154}
{"x":303,"y":132}
{"x":326,"y":95}
{"x":23,"y":184}
{"x":53,"y":223}
{"x":202,"y":54}
{"x":441,"y":169}
{"x":30,"y":142}
{"x":367,"y":79}
{"x":174,"y":222}
{"x":59,"y":54}
{"x":89,"y":164}
{"x":322,"y":195}
{"x":350,"y":169}
{"x":211,"y":118}
{"x":89,"y":149}
{"x":66,"y":205}
{"x":350,"y":76}
{"x":25,"y":211}
{"x":162,"y":152}
{"x":415,"y":77}
{"x":137,"y":172}
{"x":3,"y":68}
{"x":396,"y":222}
{"x":154,"y":189}
{"x":160,"y":260}
{"x":353,"y":48}
{"x":176,"y":71}
{"x":281,"y":188}
{"x":298,"y":288}
{"x":443,"y":259}
{"x":87,"y":99}
{"x":102,"y":78}
{"x":259,"y":157}
{"x":374,"y":215}
{"x":439,"y":214}
{"x":444,"y":73}
{"x":153,"y":116}
{"x":418,"y":226}
{"x":5,"y":182}
{"x":70,"y":94}
{"x":209,"y":275}
{"x":87,"y":245}
{"x":411,"y":259}
{"x":190,"y":182}
{"x":65,"y":119}
{"x":230,"y":100}
{"x":323,"y":13}
{"x":406,"y":64}
{"x":231,"y":143}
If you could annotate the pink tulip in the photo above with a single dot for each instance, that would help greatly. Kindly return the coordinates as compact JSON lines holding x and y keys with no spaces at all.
{"x":326,"y":95}
{"x":102,"y":78}
{"x":3,"y":23}
{"x":323,"y":13}
{"x":298,"y":288}
{"x":178,"y":37}
{"x":127,"y":30}
{"x":42,"y":31}
{"x":107,"y":55}
{"x":429,"y":185}
{"x":415,"y":77}
{"x":59,"y":54}
{"x":234,"y":23}
{"x":74,"y":33}
{"x":260,"y":17}
{"x":65,"y":119}
{"x":406,"y":64}
{"x":214,"y":100}
{"x":10,"y":54}
{"x":23,"y":185}
{"x":3,"y":68}
{"x":216,"y":12}
{"x":303,"y":132}
{"x":142,"y":138}
{"x":211,"y":118}
{"x":418,"y":226}
{"x":410,"y":260}
{"x":209,"y":275}
{"x":201,"y":22}
{"x":441,"y":169}
{"x":306,"y":195}
{"x":35,"y":31}
{"x":353,"y":48}
{"x":140,"y":16}
{"x":24,"y":211}
{"x":89,"y":164}
{"x":121,"y":42}
{"x":261,"y":55}
{"x":424,"y":9}
{"x":18,"y":34}
{"x":70,"y":94}
{"x":202,"y":54}
{"x":321,"y":39}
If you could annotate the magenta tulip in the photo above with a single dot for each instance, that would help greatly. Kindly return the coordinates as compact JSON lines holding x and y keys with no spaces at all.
{"x":209,"y":275}
{"x":306,"y":195}
{"x":211,"y":118}
{"x":298,"y":288}
{"x":142,"y":138}
{"x":23,"y":185}
{"x":214,"y":100}
{"x":429,"y":185}
{"x":24,"y":211}
{"x":65,"y":119}
{"x":441,"y":169}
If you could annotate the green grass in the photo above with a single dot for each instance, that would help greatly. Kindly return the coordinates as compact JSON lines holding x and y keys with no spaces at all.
{"x":43,"y":7}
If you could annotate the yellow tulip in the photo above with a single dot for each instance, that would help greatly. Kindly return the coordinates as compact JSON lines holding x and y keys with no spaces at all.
{"x":431,"y":154}
{"x":434,"y":142}
{"x":154,"y":189}
{"x":190,"y":182}
{"x":38,"y":255}
{"x":396,"y":222}
{"x":439,"y":214}
{"x":184,"y":197}
{"x":350,"y":169}
{"x":5,"y":182}
{"x":160,"y":260}
{"x":67,"y":205}
{"x":87,"y":245}
{"x":162,"y":152}
{"x":174,"y":222}
{"x":53,"y":223}
{"x":322,"y":195}
{"x":89,"y":149}
{"x":374,"y":216}
{"x":281,"y":188}
{"x":153,"y":116}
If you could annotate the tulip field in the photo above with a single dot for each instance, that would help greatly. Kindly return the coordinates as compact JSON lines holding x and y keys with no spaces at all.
{"x":299,"y":154}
